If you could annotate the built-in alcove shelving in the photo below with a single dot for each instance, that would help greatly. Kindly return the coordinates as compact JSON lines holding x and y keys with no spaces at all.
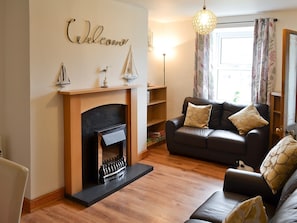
{"x":156,"y":114}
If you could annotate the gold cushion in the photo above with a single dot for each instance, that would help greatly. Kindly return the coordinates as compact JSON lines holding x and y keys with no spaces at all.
{"x":247,"y":119}
{"x":251,"y":210}
{"x":197,"y":115}
{"x":280,"y":163}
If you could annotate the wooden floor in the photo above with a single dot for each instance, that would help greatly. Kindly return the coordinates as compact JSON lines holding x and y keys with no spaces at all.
{"x":170,"y":193}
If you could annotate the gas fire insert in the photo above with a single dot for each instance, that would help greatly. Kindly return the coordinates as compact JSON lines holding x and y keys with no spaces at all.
{"x":111,"y":153}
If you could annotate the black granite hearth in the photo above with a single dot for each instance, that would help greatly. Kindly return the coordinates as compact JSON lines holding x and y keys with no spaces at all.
{"x":93,"y":194}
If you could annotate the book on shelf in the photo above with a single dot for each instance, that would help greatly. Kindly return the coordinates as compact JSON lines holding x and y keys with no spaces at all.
{"x":155,"y":137}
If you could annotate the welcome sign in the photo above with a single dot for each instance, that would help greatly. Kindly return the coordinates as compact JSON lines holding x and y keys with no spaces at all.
{"x":92,"y":35}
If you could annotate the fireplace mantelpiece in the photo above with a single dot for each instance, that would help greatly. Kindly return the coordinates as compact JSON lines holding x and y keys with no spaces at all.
{"x":78,"y":101}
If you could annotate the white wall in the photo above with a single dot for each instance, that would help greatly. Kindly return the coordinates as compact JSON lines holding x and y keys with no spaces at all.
{"x":180,"y":68}
{"x":36,"y":45}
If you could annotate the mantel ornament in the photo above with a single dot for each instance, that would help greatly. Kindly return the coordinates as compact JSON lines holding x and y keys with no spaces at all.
{"x":63,"y":78}
{"x":129,"y":72}
{"x":93,"y":35}
{"x":105,"y":85}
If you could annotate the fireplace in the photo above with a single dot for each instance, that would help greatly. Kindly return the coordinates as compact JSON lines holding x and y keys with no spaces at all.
{"x":81,"y":185}
{"x":103,"y":143}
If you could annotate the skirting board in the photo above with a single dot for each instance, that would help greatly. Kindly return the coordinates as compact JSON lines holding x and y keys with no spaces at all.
{"x":32,"y":205}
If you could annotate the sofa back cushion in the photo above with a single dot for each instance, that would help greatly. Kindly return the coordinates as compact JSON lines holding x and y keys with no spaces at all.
{"x":263,"y":110}
{"x":287,"y":212}
{"x":216,"y":111}
{"x":221,"y":111}
{"x":228,"y":110}
{"x":288,"y":189}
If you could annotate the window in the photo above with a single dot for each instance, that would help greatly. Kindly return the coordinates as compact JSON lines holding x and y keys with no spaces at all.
{"x":231,"y":57}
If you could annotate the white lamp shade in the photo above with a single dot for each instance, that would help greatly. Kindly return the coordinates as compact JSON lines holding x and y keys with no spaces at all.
{"x":204,"y":21}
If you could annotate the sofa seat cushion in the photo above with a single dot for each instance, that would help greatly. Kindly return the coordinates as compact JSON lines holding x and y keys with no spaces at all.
{"x":287,"y":212}
{"x":192,"y":136}
{"x":218,"y":206}
{"x":226,"y":142}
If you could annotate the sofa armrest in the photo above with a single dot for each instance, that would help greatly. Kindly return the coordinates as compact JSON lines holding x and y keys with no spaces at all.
{"x":171,"y":126}
{"x":248,"y":183}
{"x":257,"y":141}
{"x":177,"y":122}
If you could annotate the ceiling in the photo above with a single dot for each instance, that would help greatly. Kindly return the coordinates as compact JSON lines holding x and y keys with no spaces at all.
{"x":172,"y":10}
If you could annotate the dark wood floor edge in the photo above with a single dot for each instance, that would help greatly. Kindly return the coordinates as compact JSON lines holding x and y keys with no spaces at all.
{"x":39,"y":202}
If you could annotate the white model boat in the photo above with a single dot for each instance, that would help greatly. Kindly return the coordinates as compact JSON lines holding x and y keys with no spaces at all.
{"x":63,"y":79}
{"x":129,"y":72}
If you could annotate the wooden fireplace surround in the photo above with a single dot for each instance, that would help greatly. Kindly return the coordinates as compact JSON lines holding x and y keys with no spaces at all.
{"x":78,"y":101}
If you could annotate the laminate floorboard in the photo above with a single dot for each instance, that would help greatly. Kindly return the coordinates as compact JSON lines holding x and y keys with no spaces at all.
{"x":168,"y":194}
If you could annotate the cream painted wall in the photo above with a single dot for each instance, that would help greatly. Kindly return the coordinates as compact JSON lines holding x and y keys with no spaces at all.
{"x":16,"y":114}
{"x":49,"y":47}
{"x":35,"y":47}
{"x":180,"y":68}
{"x":177,"y":40}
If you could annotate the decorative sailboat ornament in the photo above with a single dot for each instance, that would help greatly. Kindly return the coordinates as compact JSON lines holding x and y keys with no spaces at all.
{"x":129,"y":72}
{"x":63,"y":79}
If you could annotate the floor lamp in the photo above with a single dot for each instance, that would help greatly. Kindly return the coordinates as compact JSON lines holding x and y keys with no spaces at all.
{"x":164,"y":55}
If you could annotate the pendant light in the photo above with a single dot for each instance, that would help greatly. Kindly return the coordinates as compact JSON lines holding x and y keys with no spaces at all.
{"x":204,"y":21}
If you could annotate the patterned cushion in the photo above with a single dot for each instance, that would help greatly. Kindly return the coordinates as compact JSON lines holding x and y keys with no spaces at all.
{"x":198,"y":115}
{"x":216,"y":110}
{"x":251,"y":210}
{"x":228,"y":110}
{"x":280,"y":163}
{"x":247,"y":119}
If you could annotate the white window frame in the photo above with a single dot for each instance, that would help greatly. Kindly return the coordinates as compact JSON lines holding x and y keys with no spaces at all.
{"x":215,"y":59}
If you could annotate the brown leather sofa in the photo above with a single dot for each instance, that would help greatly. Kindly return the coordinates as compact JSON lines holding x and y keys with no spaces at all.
{"x":221,"y":142}
{"x":240,"y":185}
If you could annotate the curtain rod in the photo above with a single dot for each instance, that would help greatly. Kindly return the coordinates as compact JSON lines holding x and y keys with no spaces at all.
{"x":223,"y":23}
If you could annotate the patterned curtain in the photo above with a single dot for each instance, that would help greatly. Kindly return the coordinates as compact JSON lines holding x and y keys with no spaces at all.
{"x":264,"y":60}
{"x":203,"y":81}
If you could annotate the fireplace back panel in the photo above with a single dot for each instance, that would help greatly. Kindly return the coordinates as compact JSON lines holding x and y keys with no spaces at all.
{"x":93,"y":120}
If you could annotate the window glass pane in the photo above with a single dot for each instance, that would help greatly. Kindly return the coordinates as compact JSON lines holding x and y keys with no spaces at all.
{"x":237,"y":51}
{"x":232,"y":56}
{"x":234,"y":86}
